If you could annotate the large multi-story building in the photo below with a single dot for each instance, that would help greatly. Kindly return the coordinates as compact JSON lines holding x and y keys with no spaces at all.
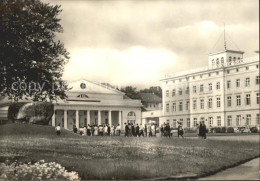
{"x":225,"y":93}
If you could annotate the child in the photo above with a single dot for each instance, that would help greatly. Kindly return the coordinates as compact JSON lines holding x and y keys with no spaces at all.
{"x":58,"y":129}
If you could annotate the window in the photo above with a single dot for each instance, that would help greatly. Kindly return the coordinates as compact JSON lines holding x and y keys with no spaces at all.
{"x":238,"y":120}
{"x":257,"y":79}
{"x":218,"y":101}
{"x":213,"y":62}
{"x":210,"y":121}
{"x":174,"y":107}
{"x":238,"y":100}
{"x":217,"y":73}
{"x":229,"y":61}
{"x":202,"y":104}
{"x":167,"y":93}
{"x":247,"y":68}
{"x":209,"y":74}
{"x":219,"y":120}
{"x":228,"y":71}
{"x":229,"y":120}
{"x":187,"y":90}
{"x":257,"y":118}
{"x":201,"y":88}
{"x":248,"y":100}
{"x":181,"y":121}
{"x":188,"y":122}
{"x":201,"y":76}
{"x":174,"y":123}
{"x":167,"y":107}
{"x":218,"y":85}
{"x":257,"y":98}
{"x":217,"y":62}
{"x":173,"y":92}
{"x":210,"y":103}
{"x":187,"y":105}
{"x":229,"y":101}
{"x":194,"y":89}
{"x":238,"y":59}
{"x":210,"y":86}
{"x":238,"y":83}
{"x":195,"y":122}
{"x":194,"y":104}
{"x":222,"y":60}
{"x":257,"y":66}
{"x":247,"y":82}
{"x":180,"y":106}
{"x":193,"y":77}
{"x":237,"y":70}
{"x":229,"y":84}
{"x":234,"y":60}
{"x":248,"y":119}
{"x":179,"y":80}
{"x":180,"y":91}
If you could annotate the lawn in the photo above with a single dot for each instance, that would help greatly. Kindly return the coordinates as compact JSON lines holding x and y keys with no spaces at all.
{"x":121,"y":157}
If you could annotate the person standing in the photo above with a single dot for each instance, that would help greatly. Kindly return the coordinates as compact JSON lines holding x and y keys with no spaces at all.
{"x":89,"y":130}
{"x":145,"y":130}
{"x":118,"y":130}
{"x":75,"y":129}
{"x":112,"y":130}
{"x":141,"y":130}
{"x":137,"y":130}
{"x":133,"y":129}
{"x":200,"y":130}
{"x":126,"y":129}
{"x":96,"y":130}
{"x":204,"y":130}
{"x":108,"y":129}
{"x":100,"y":130}
{"x":85,"y":131}
{"x":149,"y":130}
{"x":58,"y":130}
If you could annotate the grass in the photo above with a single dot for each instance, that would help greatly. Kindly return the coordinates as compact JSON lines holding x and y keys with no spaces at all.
{"x":120,"y":157}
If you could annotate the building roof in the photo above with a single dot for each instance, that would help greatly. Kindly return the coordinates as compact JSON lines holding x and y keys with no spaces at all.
{"x":150,"y":98}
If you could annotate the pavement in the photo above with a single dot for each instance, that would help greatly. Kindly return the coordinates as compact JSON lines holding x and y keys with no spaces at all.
{"x":247,"y":171}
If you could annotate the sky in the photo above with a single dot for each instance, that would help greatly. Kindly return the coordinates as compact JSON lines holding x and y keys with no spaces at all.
{"x":136,"y":43}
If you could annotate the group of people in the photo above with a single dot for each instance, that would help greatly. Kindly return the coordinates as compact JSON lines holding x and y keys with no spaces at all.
{"x":167,"y":131}
{"x":201,"y":130}
{"x":98,"y":130}
{"x":138,"y":131}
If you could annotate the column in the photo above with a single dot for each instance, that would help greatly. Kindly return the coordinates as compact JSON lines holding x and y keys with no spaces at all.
{"x":77,"y":119}
{"x":53,"y":119}
{"x":99,"y":117}
{"x":109,"y":118}
{"x":65,"y":119}
{"x":88,"y":116}
{"x":120,"y":119}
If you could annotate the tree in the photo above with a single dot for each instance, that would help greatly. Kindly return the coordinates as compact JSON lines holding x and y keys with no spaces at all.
{"x":131,"y":92}
{"x":31,"y":59}
{"x":154,"y":89}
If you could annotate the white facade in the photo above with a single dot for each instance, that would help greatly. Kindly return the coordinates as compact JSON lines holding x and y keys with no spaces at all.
{"x":91,"y":103}
{"x":225,"y":93}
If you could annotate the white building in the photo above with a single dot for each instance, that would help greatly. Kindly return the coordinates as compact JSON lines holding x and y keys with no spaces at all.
{"x":225,"y":93}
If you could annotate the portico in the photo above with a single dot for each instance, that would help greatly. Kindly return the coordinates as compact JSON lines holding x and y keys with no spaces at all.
{"x":94,"y":104}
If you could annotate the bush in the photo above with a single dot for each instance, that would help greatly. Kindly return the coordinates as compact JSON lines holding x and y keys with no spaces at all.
{"x":253,"y":130}
{"x":217,"y":130}
{"x":190,"y":130}
{"x":230,"y":130}
{"x":223,"y":129}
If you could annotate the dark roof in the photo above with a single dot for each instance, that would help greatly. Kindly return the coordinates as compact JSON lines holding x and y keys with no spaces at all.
{"x":150,"y":98}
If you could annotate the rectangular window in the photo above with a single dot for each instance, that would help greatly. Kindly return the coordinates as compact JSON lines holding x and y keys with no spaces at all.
{"x":257,"y":118}
{"x":229,"y":120}
{"x":187,"y":105}
{"x":210,"y":121}
{"x":248,"y":99}
{"x":194,"y":89}
{"x":202,"y":104}
{"x":167,"y":107}
{"x":238,"y":83}
{"x":218,"y":101}
{"x":188,"y":122}
{"x":174,"y":123}
{"x":194,"y":104}
{"x":167,"y":93}
{"x":174,"y":107}
{"x":173,"y":92}
{"x":257,"y":79}
{"x":219,"y":120}
{"x":181,"y":121}
{"x":201,"y":88}
{"x":180,"y":106}
{"x":229,"y":101}
{"x":218,"y":85}
{"x":257,"y":98}
{"x":210,"y":103}
{"x":247,"y":84}
{"x":210,"y":86}
{"x":228,"y":84}
{"x":180,"y":91}
{"x":195,"y":122}
{"x":238,"y":100}
{"x":248,"y":119}
{"x":238,"y":120}
{"x":187,"y":91}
